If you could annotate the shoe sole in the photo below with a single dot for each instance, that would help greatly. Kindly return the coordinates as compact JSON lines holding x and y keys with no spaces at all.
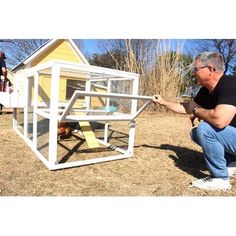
{"x":211,"y":189}
{"x":232,"y":173}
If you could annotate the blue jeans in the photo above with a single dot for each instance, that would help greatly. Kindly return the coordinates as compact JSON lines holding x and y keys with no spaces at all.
{"x":218,"y":145}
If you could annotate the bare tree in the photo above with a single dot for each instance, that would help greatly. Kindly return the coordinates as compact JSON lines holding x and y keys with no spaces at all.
{"x":227,"y":47}
{"x":80,"y":44}
{"x":5,"y":40}
{"x":135,"y":49}
{"x":19,"y":49}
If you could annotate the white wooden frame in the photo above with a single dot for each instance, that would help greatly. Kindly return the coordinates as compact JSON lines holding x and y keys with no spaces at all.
{"x":52,"y":113}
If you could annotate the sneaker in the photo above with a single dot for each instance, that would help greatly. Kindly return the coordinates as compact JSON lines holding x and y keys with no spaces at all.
{"x":232,"y":169}
{"x":210,"y":183}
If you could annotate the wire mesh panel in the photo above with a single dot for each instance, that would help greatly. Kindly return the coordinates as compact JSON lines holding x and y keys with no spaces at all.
{"x":43,"y":135}
{"x":30,"y":108}
{"x":44,"y":90}
{"x":82,"y":114}
{"x":20,"y":120}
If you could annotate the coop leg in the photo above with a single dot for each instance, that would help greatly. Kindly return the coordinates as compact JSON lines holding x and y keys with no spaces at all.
{"x":106,"y":132}
{"x":131,"y":138}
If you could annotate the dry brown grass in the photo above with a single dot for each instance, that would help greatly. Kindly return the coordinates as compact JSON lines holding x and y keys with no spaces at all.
{"x":159,"y":63}
{"x":164,"y":162}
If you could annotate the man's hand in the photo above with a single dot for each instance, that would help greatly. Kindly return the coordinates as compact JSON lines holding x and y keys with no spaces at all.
{"x":192,"y":118}
{"x":158,"y":99}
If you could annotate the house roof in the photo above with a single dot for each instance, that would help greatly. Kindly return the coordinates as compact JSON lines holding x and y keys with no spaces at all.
{"x":45,"y":47}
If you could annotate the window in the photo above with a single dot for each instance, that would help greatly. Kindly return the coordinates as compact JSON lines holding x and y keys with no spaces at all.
{"x":72,"y":85}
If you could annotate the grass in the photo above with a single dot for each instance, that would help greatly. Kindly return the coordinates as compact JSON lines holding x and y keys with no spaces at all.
{"x":165,"y":161}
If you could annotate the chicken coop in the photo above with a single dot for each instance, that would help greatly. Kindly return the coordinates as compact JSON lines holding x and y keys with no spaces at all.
{"x":55,"y":88}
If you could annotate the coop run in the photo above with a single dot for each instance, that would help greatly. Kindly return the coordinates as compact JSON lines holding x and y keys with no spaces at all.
{"x":97,"y":106}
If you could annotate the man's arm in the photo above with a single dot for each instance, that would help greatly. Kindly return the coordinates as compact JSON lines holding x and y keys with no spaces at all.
{"x":182,"y":108}
{"x":220,"y":116}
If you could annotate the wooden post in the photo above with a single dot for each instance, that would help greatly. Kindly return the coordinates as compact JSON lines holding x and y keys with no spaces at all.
{"x":53,"y":122}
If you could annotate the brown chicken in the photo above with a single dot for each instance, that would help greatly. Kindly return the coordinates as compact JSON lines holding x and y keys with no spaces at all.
{"x":63,"y":130}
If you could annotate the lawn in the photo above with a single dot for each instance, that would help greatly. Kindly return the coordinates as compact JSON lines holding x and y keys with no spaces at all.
{"x":165,"y":160}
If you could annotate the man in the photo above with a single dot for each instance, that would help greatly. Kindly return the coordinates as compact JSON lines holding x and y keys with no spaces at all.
{"x":3,"y":72}
{"x":215,"y":105}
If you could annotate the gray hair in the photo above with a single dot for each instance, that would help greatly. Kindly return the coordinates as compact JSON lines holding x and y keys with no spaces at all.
{"x":214,"y":58}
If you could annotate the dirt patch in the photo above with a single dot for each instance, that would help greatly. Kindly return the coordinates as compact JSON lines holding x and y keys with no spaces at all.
{"x":165,"y":161}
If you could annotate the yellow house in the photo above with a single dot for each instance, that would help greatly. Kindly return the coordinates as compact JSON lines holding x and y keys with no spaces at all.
{"x":57,"y":49}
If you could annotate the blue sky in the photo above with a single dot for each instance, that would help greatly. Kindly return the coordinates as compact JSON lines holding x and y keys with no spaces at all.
{"x":90,"y":46}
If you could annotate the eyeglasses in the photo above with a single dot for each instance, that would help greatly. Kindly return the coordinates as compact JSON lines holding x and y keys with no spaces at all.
{"x":195,"y":69}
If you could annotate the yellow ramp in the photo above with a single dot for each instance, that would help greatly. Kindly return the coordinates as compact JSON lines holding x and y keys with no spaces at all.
{"x":87,"y":132}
